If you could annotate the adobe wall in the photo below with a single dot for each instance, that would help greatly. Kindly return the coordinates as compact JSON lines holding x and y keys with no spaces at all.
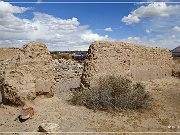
{"x":8,"y":53}
{"x":28,"y":74}
{"x":138,"y":63}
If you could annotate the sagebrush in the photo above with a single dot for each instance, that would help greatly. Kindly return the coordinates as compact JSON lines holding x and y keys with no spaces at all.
{"x":113,"y":93}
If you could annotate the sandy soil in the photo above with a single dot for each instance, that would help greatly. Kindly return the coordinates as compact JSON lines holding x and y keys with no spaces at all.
{"x":71,"y":118}
{"x":65,"y":84}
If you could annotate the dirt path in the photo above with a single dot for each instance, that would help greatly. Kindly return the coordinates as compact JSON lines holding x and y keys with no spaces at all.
{"x":165,"y":112}
{"x":65,"y":84}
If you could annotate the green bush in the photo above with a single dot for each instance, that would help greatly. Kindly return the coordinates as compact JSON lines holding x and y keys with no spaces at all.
{"x":113,"y":93}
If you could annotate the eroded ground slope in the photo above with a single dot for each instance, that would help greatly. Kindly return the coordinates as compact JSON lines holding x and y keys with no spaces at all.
{"x":71,"y":118}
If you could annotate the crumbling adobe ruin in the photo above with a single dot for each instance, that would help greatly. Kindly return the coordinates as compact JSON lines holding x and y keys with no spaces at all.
{"x":139,"y":63}
{"x":8,"y":53}
{"x":26,"y":73}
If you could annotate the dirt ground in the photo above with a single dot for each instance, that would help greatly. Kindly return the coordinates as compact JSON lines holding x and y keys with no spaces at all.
{"x":163,"y":117}
{"x":177,"y":64}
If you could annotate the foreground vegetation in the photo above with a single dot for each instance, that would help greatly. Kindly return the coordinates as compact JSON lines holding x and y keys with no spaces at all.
{"x":113,"y":93}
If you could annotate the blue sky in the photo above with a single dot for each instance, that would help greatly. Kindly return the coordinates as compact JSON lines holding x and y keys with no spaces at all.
{"x":75,"y":26}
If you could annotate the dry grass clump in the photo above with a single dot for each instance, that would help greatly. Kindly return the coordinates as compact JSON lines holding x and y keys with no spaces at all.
{"x":113,"y":93}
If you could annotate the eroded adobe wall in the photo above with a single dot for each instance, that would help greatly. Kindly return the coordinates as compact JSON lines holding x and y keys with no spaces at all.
{"x":8,"y":53}
{"x":138,"y":63}
{"x":28,"y":74}
{"x":150,"y":63}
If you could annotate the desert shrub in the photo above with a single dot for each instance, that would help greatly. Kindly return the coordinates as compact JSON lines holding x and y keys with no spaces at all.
{"x":113,"y":93}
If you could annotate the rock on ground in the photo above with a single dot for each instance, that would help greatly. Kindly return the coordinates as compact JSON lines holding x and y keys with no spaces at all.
{"x":68,"y":69}
{"x":49,"y":127}
{"x":27,"y":111}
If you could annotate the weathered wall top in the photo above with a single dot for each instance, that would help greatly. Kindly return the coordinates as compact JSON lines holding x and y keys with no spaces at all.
{"x":8,"y":53}
{"x":137,"y":62}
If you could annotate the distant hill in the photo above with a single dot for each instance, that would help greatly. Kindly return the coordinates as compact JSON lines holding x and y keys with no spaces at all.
{"x":176,"y":51}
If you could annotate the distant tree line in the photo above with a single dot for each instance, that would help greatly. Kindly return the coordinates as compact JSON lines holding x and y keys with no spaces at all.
{"x":70,"y":52}
{"x":76,"y":55}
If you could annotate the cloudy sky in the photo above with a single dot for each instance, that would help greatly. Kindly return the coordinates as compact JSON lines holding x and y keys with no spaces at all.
{"x":73,"y":26}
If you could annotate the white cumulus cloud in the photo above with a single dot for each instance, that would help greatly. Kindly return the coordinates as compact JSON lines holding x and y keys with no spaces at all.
{"x":150,"y":10}
{"x":134,"y":40}
{"x":7,"y":8}
{"x":169,"y":42}
{"x":176,"y":28}
{"x":148,"y":31}
{"x":57,"y":33}
{"x":130,"y":19}
{"x":89,"y":36}
{"x":173,"y":36}
{"x":109,"y":29}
